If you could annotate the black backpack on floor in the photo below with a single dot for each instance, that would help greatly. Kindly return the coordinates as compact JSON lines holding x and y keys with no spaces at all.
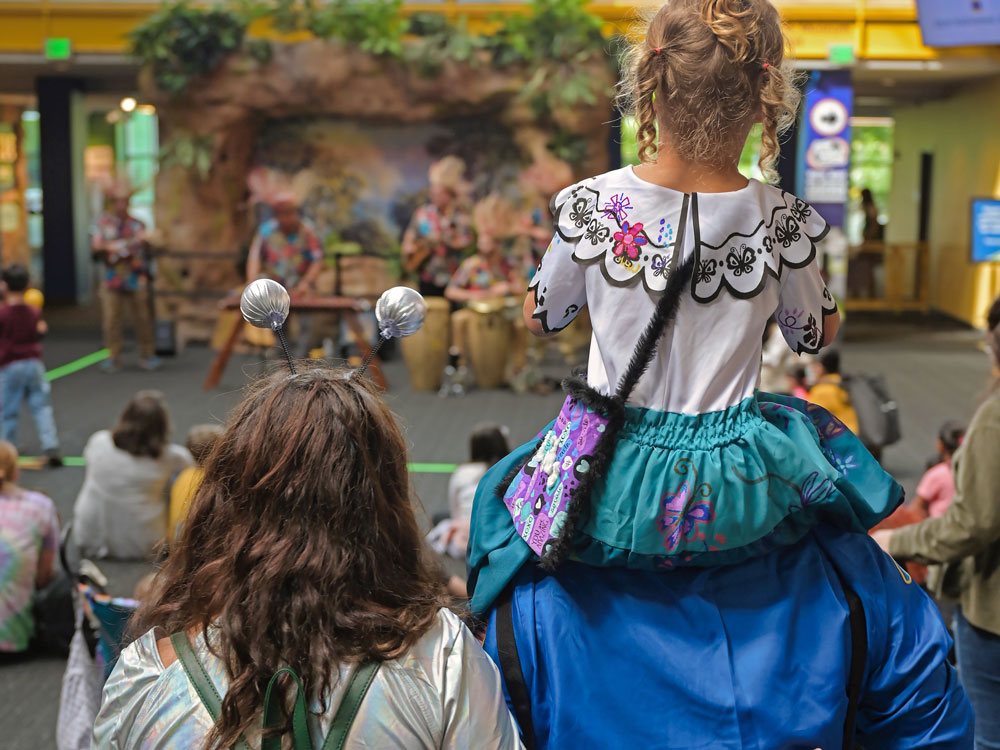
{"x":878,"y":415}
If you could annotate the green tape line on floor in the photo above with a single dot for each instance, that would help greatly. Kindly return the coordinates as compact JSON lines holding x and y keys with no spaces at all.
{"x":76,"y":365}
{"x":416,"y":467}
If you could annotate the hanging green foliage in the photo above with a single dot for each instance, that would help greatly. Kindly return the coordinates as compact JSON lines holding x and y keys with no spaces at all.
{"x":193,"y":153}
{"x":180,"y":43}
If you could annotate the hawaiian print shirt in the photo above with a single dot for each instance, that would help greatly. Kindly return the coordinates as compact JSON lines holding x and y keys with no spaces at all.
{"x":449,"y":234}
{"x":477,"y":274}
{"x":286,"y":258}
{"x":126,"y":266}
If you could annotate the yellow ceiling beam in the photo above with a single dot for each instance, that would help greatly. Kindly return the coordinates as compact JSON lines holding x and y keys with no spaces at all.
{"x":878,"y":29}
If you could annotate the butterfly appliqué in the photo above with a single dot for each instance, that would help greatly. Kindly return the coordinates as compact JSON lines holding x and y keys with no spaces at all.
{"x":681,"y":522}
{"x":740,"y":261}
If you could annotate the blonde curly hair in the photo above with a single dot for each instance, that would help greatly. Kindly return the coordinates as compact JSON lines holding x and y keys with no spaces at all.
{"x":704,"y":72}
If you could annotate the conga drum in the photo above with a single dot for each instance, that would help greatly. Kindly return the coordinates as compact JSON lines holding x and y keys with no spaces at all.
{"x":426,"y":351}
{"x":262,"y":338}
{"x":490,"y":335}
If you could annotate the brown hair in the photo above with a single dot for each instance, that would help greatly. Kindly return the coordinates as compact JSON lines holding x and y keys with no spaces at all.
{"x":8,"y":462}
{"x":201,"y":439}
{"x":704,"y":72}
{"x":143,"y":426}
{"x":301,"y":543}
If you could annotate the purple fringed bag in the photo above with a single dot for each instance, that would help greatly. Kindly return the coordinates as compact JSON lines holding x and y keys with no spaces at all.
{"x":547,"y":496}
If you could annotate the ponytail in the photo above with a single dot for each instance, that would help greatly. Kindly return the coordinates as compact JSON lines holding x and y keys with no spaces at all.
{"x":8,"y":462}
{"x":648,"y":75}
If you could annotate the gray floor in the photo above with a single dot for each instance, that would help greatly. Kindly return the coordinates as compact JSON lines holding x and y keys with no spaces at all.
{"x":935,"y":369}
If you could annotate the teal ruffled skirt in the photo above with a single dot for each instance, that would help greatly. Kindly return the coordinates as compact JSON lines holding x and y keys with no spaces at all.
{"x":704,"y":490}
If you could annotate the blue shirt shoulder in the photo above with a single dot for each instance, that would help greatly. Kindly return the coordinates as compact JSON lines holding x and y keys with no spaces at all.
{"x":750,"y":655}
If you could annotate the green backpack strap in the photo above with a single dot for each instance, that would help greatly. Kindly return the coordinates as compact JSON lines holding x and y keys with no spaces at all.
{"x":350,"y":704}
{"x":199,"y":678}
{"x":272,"y":715}
{"x":361,"y":680}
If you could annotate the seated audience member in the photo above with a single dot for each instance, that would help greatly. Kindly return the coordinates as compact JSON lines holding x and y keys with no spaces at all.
{"x":29,"y":540}
{"x":829,"y":392}
{"x":301,"y":552}
{"x":121,"y":510}
{"x":487,"y":445}
{"x":795,"y":378}
{"x":200,"y":440}
{"x":937,"y":486}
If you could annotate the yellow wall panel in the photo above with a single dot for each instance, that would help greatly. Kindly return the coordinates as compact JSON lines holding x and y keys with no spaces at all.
{"x":961,"y":134}
{"x":895,"y":41}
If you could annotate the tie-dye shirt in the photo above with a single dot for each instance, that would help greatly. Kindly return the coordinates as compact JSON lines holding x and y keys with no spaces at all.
{"x":29,"y":531}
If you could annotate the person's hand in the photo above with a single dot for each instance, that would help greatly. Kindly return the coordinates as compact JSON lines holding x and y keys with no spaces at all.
{"x":42,"y":328}
{"x":882,"y":539}
{"x":500,"y":289}
{"x":302,"y":290}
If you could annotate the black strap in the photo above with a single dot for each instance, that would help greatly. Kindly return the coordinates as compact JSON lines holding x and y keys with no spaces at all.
{"x":510,"y":667}
{"x":859,"y":657}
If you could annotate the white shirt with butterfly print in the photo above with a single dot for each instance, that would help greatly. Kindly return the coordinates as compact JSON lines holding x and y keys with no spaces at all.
{"x":617,"y":240}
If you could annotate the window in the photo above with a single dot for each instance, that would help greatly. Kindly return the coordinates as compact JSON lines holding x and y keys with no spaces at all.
{"x":137,"y":155}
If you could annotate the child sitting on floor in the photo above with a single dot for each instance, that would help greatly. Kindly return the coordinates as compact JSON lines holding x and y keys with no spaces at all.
{"x":201,"y":439}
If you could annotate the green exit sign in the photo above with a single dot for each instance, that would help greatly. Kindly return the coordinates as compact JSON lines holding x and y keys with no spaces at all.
{"x":842,"y":54}
{"x":58,"y":48}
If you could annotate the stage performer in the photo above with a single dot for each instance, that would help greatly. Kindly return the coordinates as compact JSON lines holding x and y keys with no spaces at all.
{"x":441,"y":230}
{"x":118,"y":239}
{"x":680,"y":561}
{"x":487,"y":275}
{"x":287,"y":250}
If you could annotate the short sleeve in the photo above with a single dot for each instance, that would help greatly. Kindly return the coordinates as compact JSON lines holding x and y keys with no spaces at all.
{"x":313,"y":249}
{"x":932,"y":484}
{"x":461,"y":278}
{"x":476,"y":713}
{"x":803,"y":304}
{"x":50,"y":526}
{"x":125,"y":692}
{"x":558,"y":286}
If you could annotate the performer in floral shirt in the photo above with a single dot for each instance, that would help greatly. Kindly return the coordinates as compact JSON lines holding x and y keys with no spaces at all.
{"x":287,"y":250}
{"x":118,"y":239}
{"x":439,"y":231}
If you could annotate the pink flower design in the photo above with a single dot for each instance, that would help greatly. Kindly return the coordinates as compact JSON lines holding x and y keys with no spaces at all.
{"x":629,"y":240}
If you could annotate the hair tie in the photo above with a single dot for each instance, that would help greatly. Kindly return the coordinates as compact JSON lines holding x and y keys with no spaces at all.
{"x":656,"y":50}
{"x":765,"y":66}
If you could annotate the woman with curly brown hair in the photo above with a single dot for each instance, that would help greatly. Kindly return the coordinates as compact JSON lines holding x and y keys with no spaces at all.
{"x":301,"y":553}
{"x":730,"y":597}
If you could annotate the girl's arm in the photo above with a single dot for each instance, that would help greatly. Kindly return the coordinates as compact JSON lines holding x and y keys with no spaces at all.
{"x":831,"y":325}
{"x":533,"y":325}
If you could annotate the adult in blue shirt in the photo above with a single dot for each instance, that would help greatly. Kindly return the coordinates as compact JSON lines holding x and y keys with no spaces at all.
{"x":752,"y":655}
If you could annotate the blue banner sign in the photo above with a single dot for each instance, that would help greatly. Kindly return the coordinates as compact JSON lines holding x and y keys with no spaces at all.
{"x":985,"y":230}
{"x":825,"y":145}
{"x":956,"y":23}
